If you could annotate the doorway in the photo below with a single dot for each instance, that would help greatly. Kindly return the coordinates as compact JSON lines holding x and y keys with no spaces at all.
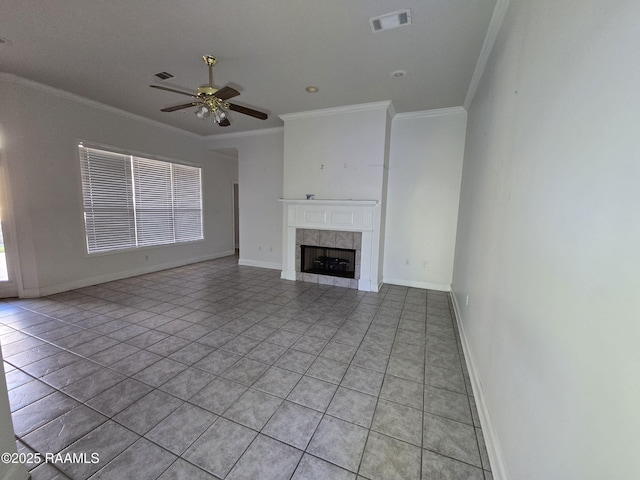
{"x":4,"y":272}
{"x":236,"y":219}
{"x":8,"y":286}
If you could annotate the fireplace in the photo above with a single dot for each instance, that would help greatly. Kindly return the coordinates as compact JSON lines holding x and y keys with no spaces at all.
{"x":334,"y":224}
{"x":335,"y":262}
{"x":328,"y":257}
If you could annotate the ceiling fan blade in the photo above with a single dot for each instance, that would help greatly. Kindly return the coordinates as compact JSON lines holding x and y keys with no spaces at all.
{"x":172,"y":90}
{"x":225,"y":123}
{"x":248,"y":111}
{"x":180,"y":107}
{"x":226,"y":93}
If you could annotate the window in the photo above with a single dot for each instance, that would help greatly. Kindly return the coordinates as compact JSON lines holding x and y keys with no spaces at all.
{"x":132,"y":202}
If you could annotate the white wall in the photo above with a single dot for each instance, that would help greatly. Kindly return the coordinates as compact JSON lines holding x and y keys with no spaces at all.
{"x":336,"y":153}
{"x":42,"y":128}
{"x":260,"y":173}
{"x":547,"y":245}
{"x":341,"y":154}
{"x":425,"y":170}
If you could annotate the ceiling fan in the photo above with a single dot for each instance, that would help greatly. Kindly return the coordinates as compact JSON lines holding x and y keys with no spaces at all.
{"x":211,"y":101}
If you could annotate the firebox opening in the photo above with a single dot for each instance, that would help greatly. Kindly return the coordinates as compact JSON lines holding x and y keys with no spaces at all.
{"x":337,"y":262}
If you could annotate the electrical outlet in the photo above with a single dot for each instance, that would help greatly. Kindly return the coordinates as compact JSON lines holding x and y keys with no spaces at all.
{"x":406,"y":262}
{"x":425,"y":264}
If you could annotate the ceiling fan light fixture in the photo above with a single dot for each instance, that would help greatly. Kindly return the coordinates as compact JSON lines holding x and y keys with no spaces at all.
{"x":209,"y":99}
{"x":203,"y":111}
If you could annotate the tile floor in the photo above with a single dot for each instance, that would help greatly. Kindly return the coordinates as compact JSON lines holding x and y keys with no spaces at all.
{"x":218,"y":371}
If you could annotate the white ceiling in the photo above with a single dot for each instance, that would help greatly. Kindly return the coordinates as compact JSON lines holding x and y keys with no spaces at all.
{"x":108,"y":50}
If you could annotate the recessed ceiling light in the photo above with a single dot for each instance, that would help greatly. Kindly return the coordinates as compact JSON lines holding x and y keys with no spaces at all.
{"x":390,"y":20}
{"x":398,"y":73}
{"x":312,"y":89}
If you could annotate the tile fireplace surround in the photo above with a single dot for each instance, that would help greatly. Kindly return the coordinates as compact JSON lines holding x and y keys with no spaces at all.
{"x":324,"y":218}
{"x":328,"y":239}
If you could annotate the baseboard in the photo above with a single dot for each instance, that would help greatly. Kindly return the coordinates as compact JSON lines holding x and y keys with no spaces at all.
{"x":16,"y":471}
{"x":441,"y":287}
{"x":254,"y":263}
{"x":87,"y":282}
{"x":496,"y":458}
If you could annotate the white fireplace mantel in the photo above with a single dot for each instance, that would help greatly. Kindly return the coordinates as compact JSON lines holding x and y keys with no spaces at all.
{"x":346,"y":215}
{"x":328,"y":201}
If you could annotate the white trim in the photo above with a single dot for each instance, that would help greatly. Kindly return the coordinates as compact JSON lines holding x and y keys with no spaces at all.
{"x":9,"y":77}
{"x":496,"y":457}
{"x":370,"y":285}
{"x":235,"y":241}
{"x":441,"y":287}
{"x":248,"y":133}
{"x":489,"y":40}
{"x":13,"y":286}
{"x":343,"y":216}
{"x":363,"y":107}
{"x":16,"y":471}
{"x":391,"y":110}
{"x":288,"y":275}
{"x":87,"y":282}
{"x":302,"y":201}
{"x":255,"y":263}
{"x":436,"y":112}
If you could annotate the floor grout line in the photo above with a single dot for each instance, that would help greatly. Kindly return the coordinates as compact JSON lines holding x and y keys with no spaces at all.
{"x":214,"y":288}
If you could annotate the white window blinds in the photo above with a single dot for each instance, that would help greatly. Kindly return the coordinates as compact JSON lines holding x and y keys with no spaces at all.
{"x":154,"y":206}
{"x":187,"y":203}
{"x":108,"y":200}
{"x":134,"y":202}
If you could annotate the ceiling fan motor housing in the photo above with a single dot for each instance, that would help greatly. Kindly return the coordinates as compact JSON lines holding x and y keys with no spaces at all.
{"x":206,"y":90}
{"x":210,"y":60}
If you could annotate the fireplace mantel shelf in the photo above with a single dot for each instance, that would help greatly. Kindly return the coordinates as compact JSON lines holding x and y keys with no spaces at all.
{"x":303,"y":201}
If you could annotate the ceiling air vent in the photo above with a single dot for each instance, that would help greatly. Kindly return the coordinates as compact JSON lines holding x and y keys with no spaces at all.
{"x":391,"y":20}
{"x":163,"y":76}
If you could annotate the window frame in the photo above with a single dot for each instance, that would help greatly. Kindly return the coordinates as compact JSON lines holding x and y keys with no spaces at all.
{"x":132,"y":155}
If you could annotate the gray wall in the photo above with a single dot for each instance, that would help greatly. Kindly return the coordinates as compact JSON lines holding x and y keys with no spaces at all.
{"x":41,"y":131}
{"x":260,"y":177}
{"x":547,"y":247}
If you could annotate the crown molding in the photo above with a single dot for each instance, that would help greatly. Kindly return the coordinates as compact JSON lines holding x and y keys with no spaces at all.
{"x":248,"y":133}
{"x":436,"y":112}
{"x":391,"y":110}
{"x":363,"y":107}
{"x":11,"y":78}
{"x":487,"y":46}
